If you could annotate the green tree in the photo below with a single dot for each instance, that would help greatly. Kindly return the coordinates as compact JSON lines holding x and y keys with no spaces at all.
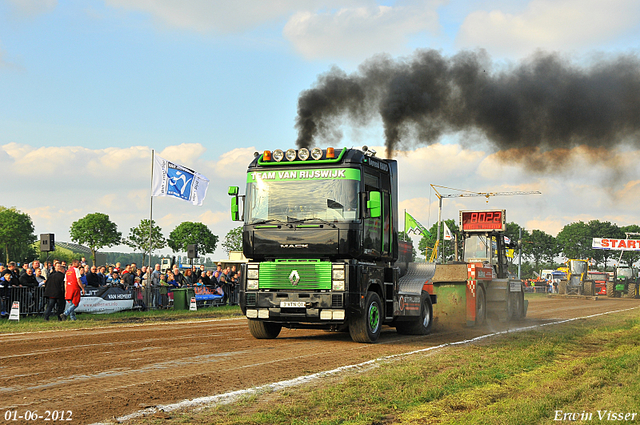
{"x":512,"y":232}
{"x":139,"y":240}
{"x":16,"y":234}
{"x":448,"y":247}
{"x":402,"y":236}
{"x":575,"y":240}
{"x":189,"y":233}
{"x":233,"y":240}
{"x":539,"y":246}
{"x":630,"y":257}
{"x":95,"y":231}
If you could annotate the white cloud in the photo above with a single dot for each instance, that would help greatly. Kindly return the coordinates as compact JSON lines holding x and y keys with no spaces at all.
{"x":550,"y":25}
{"x":59,"y":185}
{"x":234,"y":163}
{"x":358,"y":32}
{"x":32,"y":7}
{"x":222,"y":16}
{"x":353,"y":29}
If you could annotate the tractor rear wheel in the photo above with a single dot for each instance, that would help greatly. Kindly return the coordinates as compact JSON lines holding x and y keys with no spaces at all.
{"x":611,"y":291}
{"x":562,"y":287}
{"x":633,"y":290}
{"x":589,"y":287}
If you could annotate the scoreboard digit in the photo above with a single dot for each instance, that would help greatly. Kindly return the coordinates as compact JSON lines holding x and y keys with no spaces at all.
{"x":479,"y":221}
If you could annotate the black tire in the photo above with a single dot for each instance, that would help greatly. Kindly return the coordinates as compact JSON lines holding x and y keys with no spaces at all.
{"x":264,"y":330}
{"x":589,"y":287}
{"x":562,"y":287}
{"x":633,"y":290}
{"x":366,"y":328}
{"x":481,"y":306}
{"x":423,"y":324}
{"x":611,"y":292}
{"x":517,"y":306}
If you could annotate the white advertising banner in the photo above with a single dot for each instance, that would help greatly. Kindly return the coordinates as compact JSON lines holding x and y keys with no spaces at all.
{"x":178,"y":181}
{"x":616,"y":244}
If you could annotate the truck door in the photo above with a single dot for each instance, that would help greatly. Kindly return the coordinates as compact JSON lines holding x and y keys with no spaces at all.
{"x":372,"y":234}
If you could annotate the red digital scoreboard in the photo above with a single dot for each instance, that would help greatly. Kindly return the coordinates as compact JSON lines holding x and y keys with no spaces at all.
{"x":483,"y":221}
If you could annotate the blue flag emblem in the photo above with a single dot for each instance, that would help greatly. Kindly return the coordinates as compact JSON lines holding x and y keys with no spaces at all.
{"x":179,"y":183}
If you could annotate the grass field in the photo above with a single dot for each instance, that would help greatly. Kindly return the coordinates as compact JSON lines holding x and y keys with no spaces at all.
{"x":35,"y":324}
{"x":584,"y":368}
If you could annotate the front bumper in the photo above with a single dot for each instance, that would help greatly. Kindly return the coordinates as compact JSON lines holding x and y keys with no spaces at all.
{"x":289,"y":307}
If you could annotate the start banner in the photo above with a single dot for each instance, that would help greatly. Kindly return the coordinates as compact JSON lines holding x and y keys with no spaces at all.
{"x":616,"y":244}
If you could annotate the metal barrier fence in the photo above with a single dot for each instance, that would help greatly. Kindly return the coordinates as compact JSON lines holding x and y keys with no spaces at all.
{"x":32,"y":300}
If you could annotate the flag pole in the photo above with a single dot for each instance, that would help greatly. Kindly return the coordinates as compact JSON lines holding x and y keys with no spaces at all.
{"x":405,"y":225}
{"x":153,"y":152}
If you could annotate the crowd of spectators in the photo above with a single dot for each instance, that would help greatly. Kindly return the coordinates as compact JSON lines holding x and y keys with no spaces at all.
{"x":155,"y":284}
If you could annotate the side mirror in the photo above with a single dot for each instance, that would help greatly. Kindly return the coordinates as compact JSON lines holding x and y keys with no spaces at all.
{"x":235,"y":210}
{"x":374,"y":204}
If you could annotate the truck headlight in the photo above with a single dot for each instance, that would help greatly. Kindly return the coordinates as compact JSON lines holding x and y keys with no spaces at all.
{"x":252,"y":273}
{"x":303,"y":154}
{"x":278,"y":155}
{"x":338,"y":277}
{"x":337,"y":285}
{"x":252,"y":284}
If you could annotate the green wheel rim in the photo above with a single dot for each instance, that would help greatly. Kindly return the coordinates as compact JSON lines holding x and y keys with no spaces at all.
{"x":374,"y":317}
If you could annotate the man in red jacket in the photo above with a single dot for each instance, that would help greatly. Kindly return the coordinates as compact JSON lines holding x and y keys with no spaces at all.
{"x":73,"y":289}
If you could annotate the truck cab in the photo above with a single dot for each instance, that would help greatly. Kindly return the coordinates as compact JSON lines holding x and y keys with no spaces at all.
{"x":321,"y":235}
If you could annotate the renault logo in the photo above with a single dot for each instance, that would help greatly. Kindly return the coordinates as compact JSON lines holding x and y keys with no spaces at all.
{"x":294,"y":277}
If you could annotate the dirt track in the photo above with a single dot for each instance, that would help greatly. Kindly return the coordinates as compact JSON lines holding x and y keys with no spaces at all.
{"x":108,"y":372}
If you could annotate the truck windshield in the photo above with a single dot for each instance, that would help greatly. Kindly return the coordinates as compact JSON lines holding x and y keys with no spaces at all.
{"x":476,"y":247}
{"x":291,"y":200}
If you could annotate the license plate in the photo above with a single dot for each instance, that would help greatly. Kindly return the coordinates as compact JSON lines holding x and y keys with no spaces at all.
{"x":294,"y":304}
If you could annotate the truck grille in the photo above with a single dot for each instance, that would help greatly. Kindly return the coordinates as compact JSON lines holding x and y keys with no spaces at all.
{"x":336,"y":300}
{"x":251,"y":299}
{"x":310,"y":275}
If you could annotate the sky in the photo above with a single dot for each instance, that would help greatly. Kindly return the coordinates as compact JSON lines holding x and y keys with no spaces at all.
{"x":89,"y":88}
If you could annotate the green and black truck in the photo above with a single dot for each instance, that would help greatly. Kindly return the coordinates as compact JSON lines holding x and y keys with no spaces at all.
{"x":321,"y":235}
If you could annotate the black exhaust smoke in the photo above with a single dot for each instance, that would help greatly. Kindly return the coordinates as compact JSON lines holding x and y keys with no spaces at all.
{"x":540,"y":105}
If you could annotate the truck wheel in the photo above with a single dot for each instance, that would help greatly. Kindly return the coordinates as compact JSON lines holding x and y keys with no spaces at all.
{"x":423,"y":323}
{"x":481,"y":306}
{"x":264,"y":330}
{"x":366,"y":328}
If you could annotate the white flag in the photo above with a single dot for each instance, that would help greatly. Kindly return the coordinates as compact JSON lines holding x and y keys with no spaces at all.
{"x":447,"y":233}
{"x":175,"y":180}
